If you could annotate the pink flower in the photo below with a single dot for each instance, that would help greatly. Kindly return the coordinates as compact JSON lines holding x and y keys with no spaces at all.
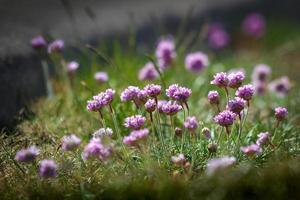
{"x":135,"y":137}
{"x":72,"y":67}
{"x":213,"y":97}
{"x":152,"y":90}
{"x":38,"y":42}
{"x":178,"y":160}
{"x":225,"y":118}
{"x":217,"y":164}
{"x":218,"y":37}
{"x":254,"y":25}
{"x":251,"y":149}
{"x":178,"y":93}
{"x":236,"y":105}
{"x":245,"y":92}
{"x":70,"y":142}
{"x":148,"y":72}
{"x":236,"y":79}
{"x":206,"y":132}
{"x":220,"y":79}
{"x":96,"y":149}
{"x":281,"y":113}
{"x":165,"y":52}
{"x":261,"y":73}
{"x":150,"y":105}
{"x":263,"y":138}
{"x":101,"y":77}
{"x":135,"y":122}
{"x":27,"y":155}
{"x":196,"y":62}
{"x":191,"y":123}
{"x":56,"y":46}
{"x":281,"y":86}
{"x":48,"y":169}
{"x":171,"y":108}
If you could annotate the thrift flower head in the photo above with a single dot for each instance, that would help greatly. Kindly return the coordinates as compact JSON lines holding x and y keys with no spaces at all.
{"x":206,"y":132}
{"x":236,"y":79}
{"x":281,"y":86}
{"x":218,"y":37}
{"x":160,"y":104}
{"x":56,"y":46}
{"x":254,"y":25}
{"x":220,"y":79}
{"x":93,"y":105}
{"x":101,"y":77}
{"x":260,"y":87}
{"x":150,"y":105}
{"x":148,"y":72}
{"x":178,"y":160}
{"x":95,"y":149}
{"x":251,"y":149}
{"x":261,"y":73}
{"x":263,"y":138}
{"x":100,"y":100}
{"x":165,"y":52}
{"x":178,"y":93}
{"x":103,"y":132}
{"x":135,"y":122}
{"x":191,"y":123}
{"x":152,"y":90}
{"x":171,"y":108}
{"x":135,"y":137}
{"x":27,"y":155}
{"x":281,"y":113}
{"x":130,"y":93}
{"x":38,"y":42}
{"x":70,"y":142}
{"x":217,"y":164}
{"x":72,"y":67}
{"x":48,"y":169}
{"x":225,"y":118}
{"x":213,"y":97}
{"x":196,"y":62}
{"x":236,"y":105}
{"x":246,"y":92}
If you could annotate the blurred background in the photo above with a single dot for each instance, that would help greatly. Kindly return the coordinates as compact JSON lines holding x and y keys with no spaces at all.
{"x":81,"y":22}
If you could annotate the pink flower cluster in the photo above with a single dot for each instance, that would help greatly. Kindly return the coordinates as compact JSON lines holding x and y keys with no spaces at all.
{"x":135,"y":137}
{"x":102,"y":99}
{"x":96,"y":149}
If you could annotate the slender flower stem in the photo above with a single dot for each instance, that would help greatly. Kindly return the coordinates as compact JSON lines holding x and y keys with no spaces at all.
{"x":275,"y":131}
{"x":227,"y":94}
{"x":113,"y":116}
{"x":102,"y":119}
{"x":47,"y":79}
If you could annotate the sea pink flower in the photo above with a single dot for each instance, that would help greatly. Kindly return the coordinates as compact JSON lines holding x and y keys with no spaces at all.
{"x":148,"y":72}
{"x":236,"y":105}
{"x":103,"y":132}
{"x":130,"y":93}
{"x":191,"y":123}
{"x":225,"y":118}
{"x":135,"y":137}
{"x":152,"y":90}
{"x":196,"y":62}
{"x":150,"y":105}
{"x":48,"y":169}
{"x":261,"y":73}
{"x":96,"y":149}
{"x":178,"y":160}
{"x":217,"y":36}
{"x":281,"y":86}
{"x":101,"y":77}
{"x":254,"y":25}
{"x":178,"y":93}
{"x":160,"y":104}
{"x":206,"y":132}
{"x":70,"y":142}
{"x":101,"y":100}
{"x":236,"y":79}
{"x":213,"y":97}
{"x":165,"y":52}
{"x":171,"y":108}
{"x":72,"y":67}
{"x":217,"y":164}
{"x":251,"y":149}
{"x":27,"y":155}
{"x":281,"y":113}
{"x":220,"y":79}
{"x":135,"y":122}
{"x":263,"y":138}
{"x":56,"y":46}
{"x":245,"y":92}
{"x":38,"y":42}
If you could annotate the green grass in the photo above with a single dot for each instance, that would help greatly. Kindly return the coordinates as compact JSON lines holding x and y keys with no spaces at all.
{"x":148,"y":173}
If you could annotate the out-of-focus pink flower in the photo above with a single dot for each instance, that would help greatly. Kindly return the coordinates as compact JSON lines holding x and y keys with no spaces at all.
{"x":70,"y":142}
{"x":148,"y":72}
{"x":178,"y":93}
{"x":38,"y":42}
{"x":281,"y":113}
{"x":281,"y":86}
{"x":236,"y":79}
{"x":217,"y":164}
{"x":178,"y":160}
{"x":72,"y":67}
{"x":27,"y":155}
{"x":165,"y":52}
{"x":261,"y":73}
{"x":263,"y":138}
{"x":101,"y":77}
{"x":135,"y":137}
{"x":48,"y":169}
{"x":251,"y":150}
{"x":217,"y":36}
{"x":196,"y":62}
{"x":245,"y":92}
{"x":220,"y":79}
{"x":56,"y":46}
{"x":150,"y":105}
{"x":191,"y":123}
{"x":254,"y":25}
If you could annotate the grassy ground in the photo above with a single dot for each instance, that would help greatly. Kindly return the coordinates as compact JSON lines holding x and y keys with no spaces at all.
{"x":148,"y":172}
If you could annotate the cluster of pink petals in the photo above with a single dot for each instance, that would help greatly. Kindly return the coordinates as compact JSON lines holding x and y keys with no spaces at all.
{"x":171,"y":108}
{"x":191,"y":123}
{"x":236,"y":105}
{"x":218,"y":37}
{"x":135,"y":122}
{"x":206,"y":132}
{"x":251,"y":150}
{"x":72,"y":67}
{"x":236,"y":79}
{"x":160,"y":104}
{"x":95,"y":149}
{"x":101,"y":100}
{"x":213,"y":97}
{"x":245,"y":92}
{"x":56,"y":46}
{"x":48,"y":169}
{"x":135,"y":137}
{"x":263,"y":138}
{"x":281,"y":86}
{"x":217,"y":164}
{"x":225,"y":118}
{"x":220,"y":79}
{"x":148,"y":72}
{"x":102,"y":132}
{"x":178,"y":160}
{"x":165,"y":52}
{"x":196,"y":62}
{"x":101,"y":77}
{"x":178,"y":93}
{"x":152,"y":90}
{"x":27,"y":155}
{"x":38,"y":42}
{"x":281,"y":113}
{"x":254,"y":25}
{"x":150,"y":105}
{"x":70,"y":142}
